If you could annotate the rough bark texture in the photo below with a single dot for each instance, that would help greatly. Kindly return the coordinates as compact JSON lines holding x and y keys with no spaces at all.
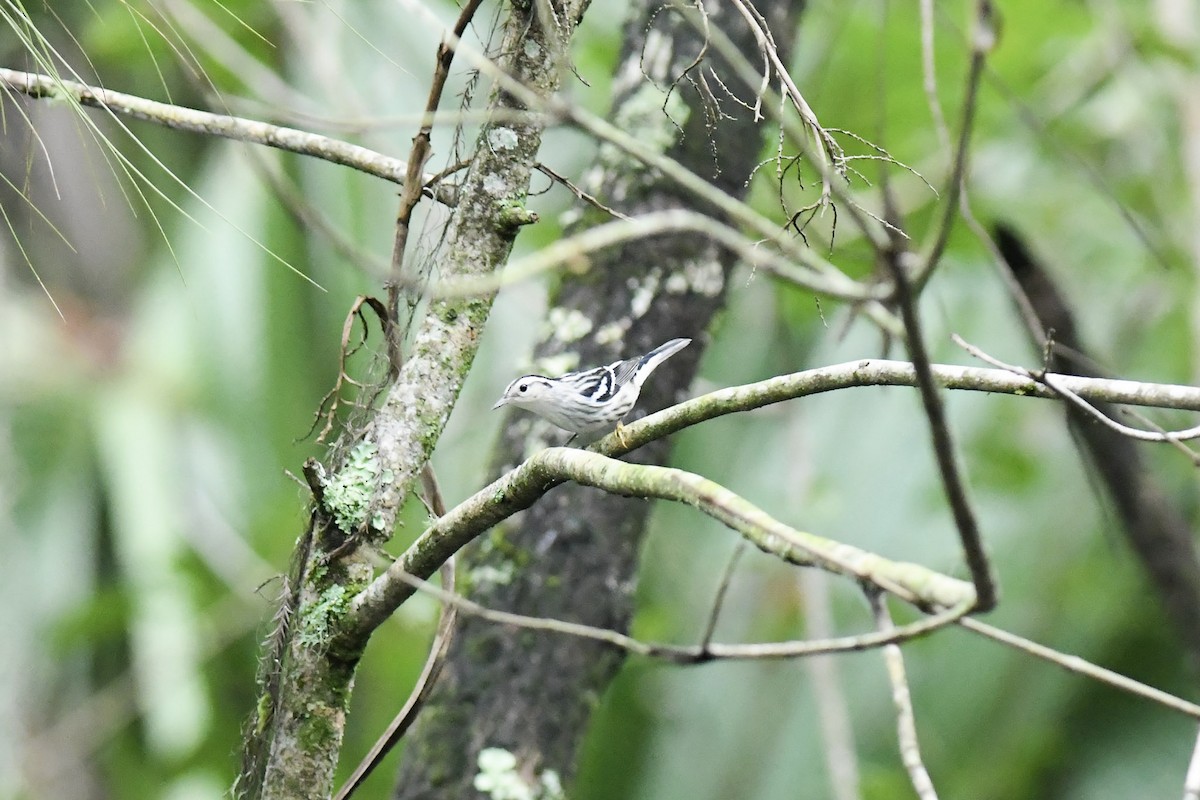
{"x":295,"y":738}
{"x":573,"y":555}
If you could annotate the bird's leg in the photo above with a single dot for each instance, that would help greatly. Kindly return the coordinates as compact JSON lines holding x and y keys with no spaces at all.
{"x":620,"y":432}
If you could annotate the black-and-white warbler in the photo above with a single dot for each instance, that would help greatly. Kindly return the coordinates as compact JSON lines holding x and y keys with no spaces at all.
{"x":591,"y":402}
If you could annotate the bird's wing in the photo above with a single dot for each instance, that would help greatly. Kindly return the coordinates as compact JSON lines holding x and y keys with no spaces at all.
{"x":596,"y":385}
{"x":623,"y":371}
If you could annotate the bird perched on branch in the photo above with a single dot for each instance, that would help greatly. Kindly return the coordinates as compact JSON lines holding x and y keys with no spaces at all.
{"x":591,"y":402}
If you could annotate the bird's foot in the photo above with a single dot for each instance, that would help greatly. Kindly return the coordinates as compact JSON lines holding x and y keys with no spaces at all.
{"x":620,"y":432}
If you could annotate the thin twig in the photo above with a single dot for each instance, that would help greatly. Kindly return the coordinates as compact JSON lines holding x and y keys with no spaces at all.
{"x":690,"y":654}
{"x":1182,"y":447}
{"x":906,"y":719}
{"x":414,"y":183}
{"x":1082,"y":667}
{"x":1054,"y":384}
{"x":929,"y":75}
{"x":939,"y":430}
{"x":204,"y":122}
{"x":714,"y":614}
{"x":1191,"y":783}
{"x":579,"y":193}
{"x":828,"y":691}
{"x":983,"y":38}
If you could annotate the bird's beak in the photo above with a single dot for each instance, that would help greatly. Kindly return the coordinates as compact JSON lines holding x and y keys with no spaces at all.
{"x":502,"y":401}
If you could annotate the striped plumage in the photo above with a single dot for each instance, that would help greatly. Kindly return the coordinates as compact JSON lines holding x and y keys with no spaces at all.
{"x":591,"y":402}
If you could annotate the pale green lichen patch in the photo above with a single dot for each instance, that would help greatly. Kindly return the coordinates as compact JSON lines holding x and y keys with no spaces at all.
{"x":486,"y":575}
{"x":701,"y":276}
{"x":503,"y":561}
{"x":502,"y":138}
{"x":641,"y":116}
{"x":567,"y":324}
{"x":613,"y":331}
{"x":644,"y":292}
{"x":495,"y":185}
{"x":348,"y":494}
{"x":320,"y":618}
{"x":500,"y":779}
{"x":556,"y":365}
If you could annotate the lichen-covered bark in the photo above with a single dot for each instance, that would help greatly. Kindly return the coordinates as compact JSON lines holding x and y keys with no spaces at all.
{"x":573,"y":554}
{"x":300,"y":719}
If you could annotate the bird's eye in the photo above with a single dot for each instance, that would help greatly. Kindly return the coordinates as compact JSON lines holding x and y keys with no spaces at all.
{"x":522,"y":387}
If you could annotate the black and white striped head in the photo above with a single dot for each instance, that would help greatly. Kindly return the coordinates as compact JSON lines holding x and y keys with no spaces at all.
{"x":530,"y":392}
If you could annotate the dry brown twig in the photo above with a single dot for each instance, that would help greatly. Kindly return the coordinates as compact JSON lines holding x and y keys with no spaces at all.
{"x":332,"y":401}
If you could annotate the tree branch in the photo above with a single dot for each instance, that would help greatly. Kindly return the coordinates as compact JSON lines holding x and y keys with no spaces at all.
{"x":705,"y":652}
{"x":879,"y":372}
{"x":205,"y":122}
{"x":521,"y":487}
{"x":906,"y":719}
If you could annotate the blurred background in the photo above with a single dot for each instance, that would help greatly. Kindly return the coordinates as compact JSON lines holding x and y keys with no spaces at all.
{"x":171,"y":308}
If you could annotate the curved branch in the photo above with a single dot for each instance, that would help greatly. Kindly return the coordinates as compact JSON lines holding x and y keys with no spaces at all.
{"x":880,"y":372}
{"x":520,"y":488}
{"x":228,"y":127}
{"x":574,"y":250}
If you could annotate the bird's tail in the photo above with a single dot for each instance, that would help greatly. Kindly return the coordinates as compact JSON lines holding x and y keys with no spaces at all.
{"x":649,"y":362}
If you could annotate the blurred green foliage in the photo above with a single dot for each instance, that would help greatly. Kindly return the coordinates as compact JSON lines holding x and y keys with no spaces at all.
{"x":146,"y":433}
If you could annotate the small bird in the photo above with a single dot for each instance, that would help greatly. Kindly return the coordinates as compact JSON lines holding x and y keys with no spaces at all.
{"x":591,"y":402}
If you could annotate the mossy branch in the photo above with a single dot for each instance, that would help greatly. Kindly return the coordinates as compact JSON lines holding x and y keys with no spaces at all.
{"x":520,"y":488}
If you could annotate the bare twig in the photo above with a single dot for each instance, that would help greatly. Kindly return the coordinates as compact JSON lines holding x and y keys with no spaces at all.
{"x":1191,"y":783}
{"x":1054,"y":384}
{"x":332,"y":401}
{"x":939,"y":430}
{"x":579,"y":193}
{"x":828,"y":691}
{"x":204,"y":122}
{"x":983,"y":38}
{"x":929,"y":74}
{"x":714,"y":613}
{"x":1082,"y":667}
{"x":906,"y":720}
{"x":829,"y":156}
{"x":690,"y":654}
{"x":414,"y":183}
{"x":1182,"y":447}
{"x":831,"y":179}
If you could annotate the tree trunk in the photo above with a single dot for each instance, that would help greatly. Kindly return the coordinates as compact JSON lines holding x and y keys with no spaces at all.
{"x":293,"y":740}
{"x":573,"y":555}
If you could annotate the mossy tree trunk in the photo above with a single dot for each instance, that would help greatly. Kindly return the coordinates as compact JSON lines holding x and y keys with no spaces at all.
{"x":294,"y":738}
